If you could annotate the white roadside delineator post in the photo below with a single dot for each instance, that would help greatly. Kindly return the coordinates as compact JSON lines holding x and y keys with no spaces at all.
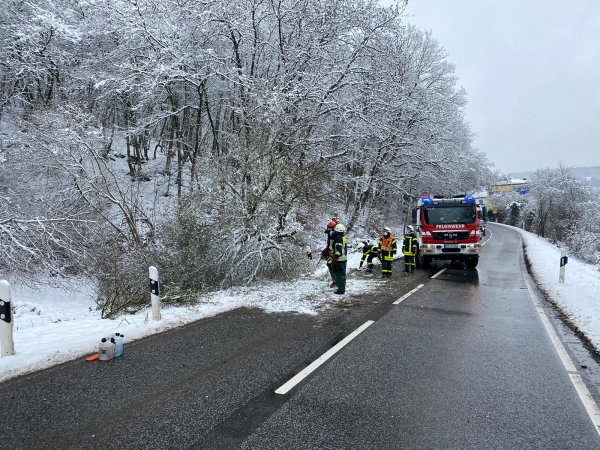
{"x":7,"y":346}
{"x":564,"y":259}
{"x":154,"y":293}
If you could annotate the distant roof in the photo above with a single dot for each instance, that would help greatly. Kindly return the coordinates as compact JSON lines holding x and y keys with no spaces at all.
{"x":521,"y":186}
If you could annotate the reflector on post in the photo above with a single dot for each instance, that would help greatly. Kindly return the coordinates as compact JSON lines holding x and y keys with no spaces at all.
{"x":564,"y":259}
{"x":7,"y":346}
{"x":154,"y":293}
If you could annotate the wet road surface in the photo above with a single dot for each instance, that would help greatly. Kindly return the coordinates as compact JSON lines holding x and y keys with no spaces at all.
{"x":463,"y":362}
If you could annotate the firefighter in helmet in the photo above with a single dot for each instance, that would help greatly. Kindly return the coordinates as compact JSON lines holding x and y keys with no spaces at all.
{"x":339,"y":255}
{"x":326,"y":252}
{"x":387,"y":250}
{"x":409,"y":249}
{"x":369,"y":252}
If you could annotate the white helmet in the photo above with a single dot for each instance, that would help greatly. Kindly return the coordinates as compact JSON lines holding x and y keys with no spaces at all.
{"x":340,"y":228}
{"x":387,"y":230}
{"x":410,"y":228}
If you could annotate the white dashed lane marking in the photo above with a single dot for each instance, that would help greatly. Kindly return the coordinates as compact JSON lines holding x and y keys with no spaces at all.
{"x":408,"y":294}
{"x":439,"y":273}
{"x":284,"y":389}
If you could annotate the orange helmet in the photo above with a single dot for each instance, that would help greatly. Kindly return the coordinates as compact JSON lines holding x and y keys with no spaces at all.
{"x":331,"y":224}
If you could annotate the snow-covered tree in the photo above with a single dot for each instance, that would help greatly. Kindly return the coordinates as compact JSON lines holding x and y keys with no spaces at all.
{"x":262,"y":113}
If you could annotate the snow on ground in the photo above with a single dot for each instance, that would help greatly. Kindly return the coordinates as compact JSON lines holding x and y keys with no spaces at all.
{"x":579,"y":296}
{"x":53,"y":325}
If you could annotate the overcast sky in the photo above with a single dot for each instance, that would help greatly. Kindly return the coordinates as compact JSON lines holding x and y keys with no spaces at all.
{"x":531,"y":69}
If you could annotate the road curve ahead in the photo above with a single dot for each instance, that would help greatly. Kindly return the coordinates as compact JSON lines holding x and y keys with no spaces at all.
{"x":464,"y":362}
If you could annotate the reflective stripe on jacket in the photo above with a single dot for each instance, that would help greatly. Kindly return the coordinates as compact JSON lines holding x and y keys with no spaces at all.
{"x":387,"y":244}
{"x":409,"y":245}
{"x":369,"y":250}
{"x":339,"y":246}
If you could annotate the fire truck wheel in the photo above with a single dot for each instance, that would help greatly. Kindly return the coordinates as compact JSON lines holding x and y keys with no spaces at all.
{"x":423,"y":262}
{"x":471,"y":262}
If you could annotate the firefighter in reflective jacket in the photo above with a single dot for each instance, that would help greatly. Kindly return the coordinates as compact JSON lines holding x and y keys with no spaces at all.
{"x":369,"y":252}
{"x":387,"y":250}
{"x":339,"y":252}
{"x":409,"y":249}
{"x":326,"y":252}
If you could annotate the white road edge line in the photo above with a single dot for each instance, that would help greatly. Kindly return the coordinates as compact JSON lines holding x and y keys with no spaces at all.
{"x":587,"y":400}
{"x":582,"y":390}
{"x":285,"y":388}
{"x":560,"y":349}
{"x":408,"y":294}
{"x":438,"y":273}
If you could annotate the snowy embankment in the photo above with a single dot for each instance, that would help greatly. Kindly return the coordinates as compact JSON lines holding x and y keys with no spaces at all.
{"x":54,"y":325}
{"x":579,"y":296}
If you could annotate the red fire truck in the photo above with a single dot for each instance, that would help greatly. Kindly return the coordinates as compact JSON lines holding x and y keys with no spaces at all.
{"x":447,"y":228}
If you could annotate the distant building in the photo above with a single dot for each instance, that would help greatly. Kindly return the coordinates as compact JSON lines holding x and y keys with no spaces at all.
{"x":519,"y":186}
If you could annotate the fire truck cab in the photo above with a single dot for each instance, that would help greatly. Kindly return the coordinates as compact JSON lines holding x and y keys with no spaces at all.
{"x":447,"y":229}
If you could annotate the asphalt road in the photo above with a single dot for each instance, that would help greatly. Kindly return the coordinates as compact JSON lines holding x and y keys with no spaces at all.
{"x":464,"y":362}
